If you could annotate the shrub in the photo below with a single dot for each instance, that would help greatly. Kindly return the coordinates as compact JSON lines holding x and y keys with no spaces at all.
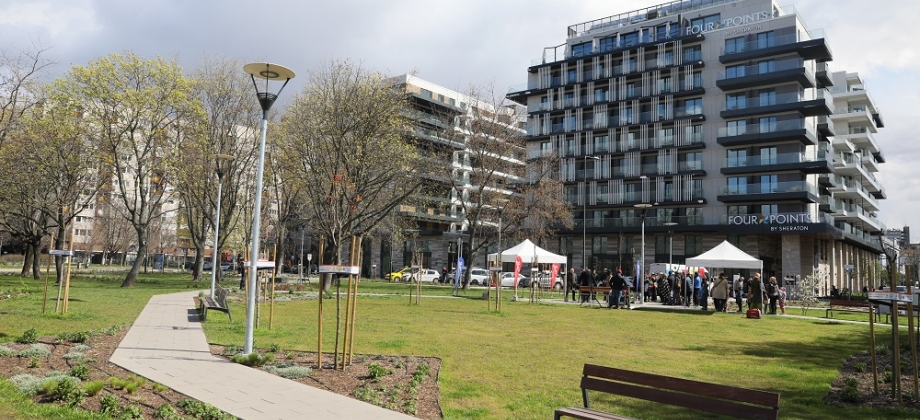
{"x":35,"y":363}
{"x":36,"y":350}
{"x":860,"y":367}
{"x":167,"y":412}
{"x":274,"y":348}
{"x":158,"y":387}
{"x":253,"y":359}
{"x":80,"y":372}
{"x":849,"y":394}
{"x":74,"y":355}
{"x":66,"y":389}
{"x":30,"y":336}
{"x":131,"y":412}
{"x":74,"y":337}
{"x":79,"y":348}
{"x":27,"y":384}
{"x":92,"y":388}
{"x":204,"y":411}
{"x":6,"y":351}
{"x":108,"y":405}
{"x":376,"y":371}
{"x":288,"y":372}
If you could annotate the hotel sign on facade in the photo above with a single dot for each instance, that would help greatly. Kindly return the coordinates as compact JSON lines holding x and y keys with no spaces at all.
{"x":781,"y":222}
{"x":727,"y":23}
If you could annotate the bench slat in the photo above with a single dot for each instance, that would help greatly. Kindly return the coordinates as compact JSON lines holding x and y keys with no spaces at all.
{"x":751,"y":396}
{"x":586,"y":414}
{"x":668,"y":397}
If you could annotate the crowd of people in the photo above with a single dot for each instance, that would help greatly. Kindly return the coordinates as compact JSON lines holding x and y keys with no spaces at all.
{"x":686,"y":289}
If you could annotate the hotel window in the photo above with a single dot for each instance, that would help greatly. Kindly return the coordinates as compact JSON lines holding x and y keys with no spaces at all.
{"x":768,"y":66}
{"x":767,"y":97}
{"x":570,"y":76}
{"x":579,"y":50}
{"x":769,"y":209}
{"x":693,"y":245}
{"x":768,"y":155}
{"x":571,"y":194}
{"x":664,"y":85}
{"x":767,"y":124}
{"x":734,"y":45}
{"x":608,"y":43}
{"x":569,"y":146}
{"x":765,"y":40}
{"x":695,"y":214}
{"x":737,"y":158}
{"x":694,"y":53}
{"x":629,"y":40}
{"x":426,"y":93}
{"x":602,"y":194}
{"x":662,"y":111}
{"x":737,"y":185}
{"x":693,"y":161}
{"x":693,"y":106}
{"x":601,"y":94}
{"x":736,"y":128}
{"x":565,"y":246}
{"x":734,"y":71}
{"x":661,"y":244}
{"x":739,"y":241}
{"x":599,"y":71}
{"x":569,"y":99}
{"x":695,"y":133}
{"x":601,"y":144}
{"x":666,"y":136}
{"x":707,"y":23}
{"x":735,"y":101}
{"x":661,"y":32}
{"x":546,"y":148}
{"x":599,"y":245}
{"x":630,"y":89}
{"x":768,"y":183}
{"x":629,"y":65}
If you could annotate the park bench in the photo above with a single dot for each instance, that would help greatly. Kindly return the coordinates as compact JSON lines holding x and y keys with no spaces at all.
{"x":839,"y":305}
{"x":592,"y":291}
{"x":218,"y":302}
{"x":740,"y":403}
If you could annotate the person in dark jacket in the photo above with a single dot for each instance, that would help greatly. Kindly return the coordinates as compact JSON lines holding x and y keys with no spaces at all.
{"x":570,"y":280}
{"x":617,"y":285}
{"x":585,"y":279}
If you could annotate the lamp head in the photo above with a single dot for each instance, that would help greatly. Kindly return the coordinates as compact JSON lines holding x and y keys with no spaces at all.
{"x":268,"y":71}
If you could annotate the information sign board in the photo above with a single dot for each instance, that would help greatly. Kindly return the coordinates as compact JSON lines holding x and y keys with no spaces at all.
{"x":61,"y":252}
{"x":339,"y":269}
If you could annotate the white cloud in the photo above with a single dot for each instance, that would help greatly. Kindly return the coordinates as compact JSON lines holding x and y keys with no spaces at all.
{"x":53,"y":18}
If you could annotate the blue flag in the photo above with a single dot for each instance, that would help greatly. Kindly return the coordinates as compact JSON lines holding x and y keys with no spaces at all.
{"x":459,"y":270}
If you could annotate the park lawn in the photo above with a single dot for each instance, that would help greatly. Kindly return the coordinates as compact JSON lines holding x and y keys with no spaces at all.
{"x":526,"y":361}
{"x":96,"y":301}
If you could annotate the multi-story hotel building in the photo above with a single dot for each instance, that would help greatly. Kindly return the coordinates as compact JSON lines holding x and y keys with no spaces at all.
{"x":726,"y":118}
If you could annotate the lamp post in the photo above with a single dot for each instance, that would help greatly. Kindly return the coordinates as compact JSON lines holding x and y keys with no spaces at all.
{"x":641,"y":274}
{"x":670,"y":245}
{"x":269,"y":72}
{"x":215,"y":263}
{"x":584,"y":214}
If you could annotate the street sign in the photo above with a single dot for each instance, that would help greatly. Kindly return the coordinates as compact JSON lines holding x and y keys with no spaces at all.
{"x":890,"y":296}
{"x":339,"y":269}
{"x":848,"y":266}
{"x":495,"y":268}
{"x":61,"y":252}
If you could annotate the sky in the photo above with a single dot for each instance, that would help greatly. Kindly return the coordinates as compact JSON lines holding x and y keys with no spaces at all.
{"x":457,"y":44}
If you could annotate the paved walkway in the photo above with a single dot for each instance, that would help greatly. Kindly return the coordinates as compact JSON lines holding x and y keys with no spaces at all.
{"x":167,"y":345}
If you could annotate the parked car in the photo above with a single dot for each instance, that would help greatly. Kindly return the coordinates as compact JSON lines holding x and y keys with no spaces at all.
{"x":478,"y":276}
{"x":543,"y":278}
{"x":398,"y":275}
{"x":508,"y":280}
{"x":224,"y":266}
{"x":428,"y":276}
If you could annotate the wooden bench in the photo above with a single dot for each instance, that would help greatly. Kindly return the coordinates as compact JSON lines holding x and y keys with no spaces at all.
{"x":217,"y":303}
{"x":839,"y":305}
{"x":740,"y":403}
{"x":591,"y":293}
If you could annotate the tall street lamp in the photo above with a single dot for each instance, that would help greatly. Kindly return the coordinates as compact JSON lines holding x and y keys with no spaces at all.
{"x":671,"y":244}
{"x":640,"y":275}
{"x":215,"y":263}
{"x":269,"y":72}
{"x":584,"y":213}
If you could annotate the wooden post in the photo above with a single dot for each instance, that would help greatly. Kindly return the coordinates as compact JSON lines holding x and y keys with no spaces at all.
{"x":354,"y":304}
{"x":66,"y":304}
{"x":319,"y":319}
{"x":895,"y":351}
{"x":50,"y":257}
{"x":913,"y":342}
{"x":872,"y":348}
{"x":351,"y":261}
{"x":271,"y":307}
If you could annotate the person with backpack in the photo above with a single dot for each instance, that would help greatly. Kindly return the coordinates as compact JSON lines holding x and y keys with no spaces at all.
{"x":772,"y":294}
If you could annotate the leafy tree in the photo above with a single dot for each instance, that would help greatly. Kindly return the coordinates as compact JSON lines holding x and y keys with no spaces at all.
{"x":345,"y":144}
{"x":135,"y":109}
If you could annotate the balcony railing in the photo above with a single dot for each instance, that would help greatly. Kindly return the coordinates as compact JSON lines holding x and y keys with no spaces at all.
{"x":766,"y":68}
{"x":777,"y":159}
{"x":774,"y":42}
{"x":778,"y":99}
{"x":769,"y":127}
{"x":636,"y":221}
{"x":769,"y":188}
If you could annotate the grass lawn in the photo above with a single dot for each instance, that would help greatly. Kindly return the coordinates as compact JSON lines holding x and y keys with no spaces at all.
{"x":526,"y":361}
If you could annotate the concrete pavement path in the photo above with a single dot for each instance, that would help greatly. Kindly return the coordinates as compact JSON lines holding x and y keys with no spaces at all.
{"x":167,"y":345}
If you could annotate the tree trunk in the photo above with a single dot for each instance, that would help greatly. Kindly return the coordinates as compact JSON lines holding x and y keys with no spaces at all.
{"x":198,"y":265}
{"x":36,"y":260}
{"x":27,"y":261}
{"x":138,"y":262}
{"x":59,"y":261}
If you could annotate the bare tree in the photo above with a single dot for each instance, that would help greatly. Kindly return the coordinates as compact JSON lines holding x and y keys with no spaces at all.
{"x":135,"y":109}
{"x":345,"y":143}
{"x":111,"y":231}
{"x":227,"y":127}
{"x":20,"y":72}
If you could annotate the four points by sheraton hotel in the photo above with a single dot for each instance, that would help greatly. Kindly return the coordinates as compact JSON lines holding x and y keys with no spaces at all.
{"x":726,"y":118}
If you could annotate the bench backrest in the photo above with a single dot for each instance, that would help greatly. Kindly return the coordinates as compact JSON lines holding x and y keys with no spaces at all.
{"x":221,"y":296}
{"x":853,"y":303}
{"x":731,"y":401}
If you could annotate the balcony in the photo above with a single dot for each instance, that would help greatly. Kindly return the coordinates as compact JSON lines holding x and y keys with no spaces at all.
{"x":808,"y":45}
{"x":773,"y":192}
{"x":651,"y":222}
{"x":822,"y":74}
{"x":815,"y":164}
{"x":861,"y":139}
{"x":784,"y":71}
{"x":799,"y":130}
{"x":806,"y":104}
{"x":855,"y":115}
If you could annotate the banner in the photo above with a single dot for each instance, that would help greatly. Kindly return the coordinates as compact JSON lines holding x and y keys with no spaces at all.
{"x":459,"y":271}
{"x":555,"y":272}
{"x":518,"y":263}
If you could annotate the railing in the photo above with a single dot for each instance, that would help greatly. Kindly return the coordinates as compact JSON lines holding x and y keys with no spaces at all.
{"x":767,"y":68}
{"x":769,"y":188}
{"x":774,"y":42}
{"x":767,"y":127}
{"x":636,"y":221}
{"x":779,"y":99}
{"x":777,"y":159}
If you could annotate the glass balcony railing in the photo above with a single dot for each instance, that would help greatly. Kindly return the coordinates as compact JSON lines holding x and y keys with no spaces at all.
{"x":768,"y":188}
{"x":770,"y":100}
{"x":777,"y":159}
{"x":636,"y":221}
{"x":766,"y":68}
{"x":769,"y":127}
{"x":773,"y":42}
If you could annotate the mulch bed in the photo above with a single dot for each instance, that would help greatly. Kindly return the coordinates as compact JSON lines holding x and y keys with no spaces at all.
{"x":853,"y":385}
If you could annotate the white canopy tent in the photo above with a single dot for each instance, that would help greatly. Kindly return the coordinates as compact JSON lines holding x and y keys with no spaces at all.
{"x":529,"y":252}
{"x":726,"y":255}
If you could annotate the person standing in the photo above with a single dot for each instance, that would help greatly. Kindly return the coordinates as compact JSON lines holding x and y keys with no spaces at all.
{"x":772,"y":294}
{"x":688,"y":289}
{"x":782,"y":299}
{"x":617,"y":285}
{"x":739,"y":292}
{"x":676,"y":283}
{"x":585,"y":280}
{"x":755,"y":292}
{"x":704,"y":293}
{"x":720,"y":292}
{"x":570,"y":280}
{"x":697,"y":284}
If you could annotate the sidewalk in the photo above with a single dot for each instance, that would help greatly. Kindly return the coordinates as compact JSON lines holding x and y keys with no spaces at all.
{"x":167,"y":345}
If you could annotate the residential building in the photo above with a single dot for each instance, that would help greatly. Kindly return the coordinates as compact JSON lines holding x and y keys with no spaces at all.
{"x":726,"y":118}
